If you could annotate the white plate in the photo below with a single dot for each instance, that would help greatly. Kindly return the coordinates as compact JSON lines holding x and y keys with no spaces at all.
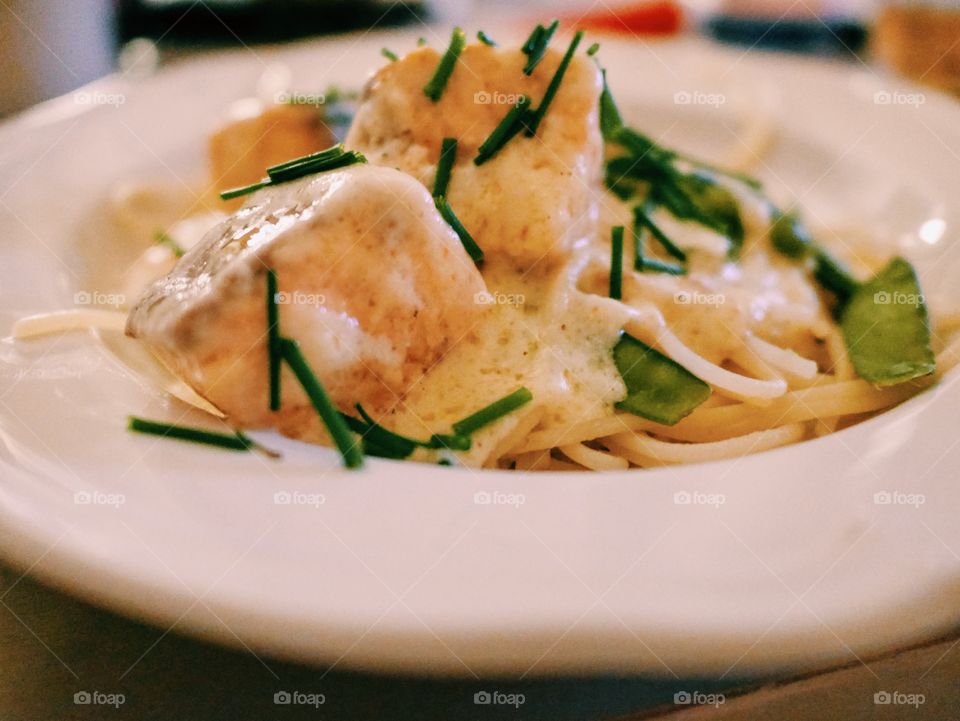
{"x":400,"y":567}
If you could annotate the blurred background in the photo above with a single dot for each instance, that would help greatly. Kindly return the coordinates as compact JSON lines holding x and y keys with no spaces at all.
{"x":50,"y":47}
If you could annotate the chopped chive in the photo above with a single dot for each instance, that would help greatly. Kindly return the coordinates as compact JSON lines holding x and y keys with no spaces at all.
{"x":380,"y":441}
{"x":833,"y":275}
{"x":538,"y":114}
{"x":511,"y":124}
{"x":334,"y":151}
{"x":469,"y":244}
{"x":244,"y":190}
{"x":329,"y":159}
{"x":593,"y":49}
{"x":610,"y":120}
{"x":658,"y":266}
{"x":316,"y":165}
{"x":448,"y":156}
{"x":668,"y":245}
{"x":370,"y":446}
{"x":532,"y":38}
{"x":436,"y":85}
{"x":389,"y":54}
{"x":616,"y":262}
{"x":643,"y":264}
{"x":789,"y":235}
{"x":232,"y":441}
{"x":453,"y":442}
{"x":161,"y":238}
{"x":421,"y":41}
{"x":273,"y":339}
{"x":536,"y":45}
{"x":337,"y":427}
{"x":485,"y":39}
{"x":385,"y":439}
{"x":493,"y":412}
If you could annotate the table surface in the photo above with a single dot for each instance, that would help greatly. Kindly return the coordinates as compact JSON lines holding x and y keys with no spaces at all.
{"x":53,"y":646}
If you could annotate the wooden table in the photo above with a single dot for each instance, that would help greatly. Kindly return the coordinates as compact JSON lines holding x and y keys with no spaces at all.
{"x":53,"y":647}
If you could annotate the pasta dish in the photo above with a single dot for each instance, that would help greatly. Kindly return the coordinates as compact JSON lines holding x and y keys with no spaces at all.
{"x":492,"y":269}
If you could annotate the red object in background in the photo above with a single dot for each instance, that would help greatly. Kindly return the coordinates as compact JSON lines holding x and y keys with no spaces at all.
{"x":660,"y":17}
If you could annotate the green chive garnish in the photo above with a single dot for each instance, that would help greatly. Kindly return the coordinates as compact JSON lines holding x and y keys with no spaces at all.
{"x":643,"y":264}
{"x":329,"y":159}
{"x":672,"y":248}
{"x":382,"y":442}
{"x":485,"y":39}
{"x":616,"y":262}
{"x":531,"y":40}
{"x":610,"y":120}
{"x":448,"y":156}
{"x":469,"y":244}
{"x":232,"y":441}
{"x":421,"y":41}
{"x":436,"y":85}
{"x":593,"y":49}
{"x":389,"y":54}
{"x":834,"y":276}
{"x":493,"y":412}
{"x":538,"y":114}
{"x":453,"y":442}
{"x":311,"y":165}
{"x":244,"y":190}
{"x":511,"y":124}
{"x":339,"y":432}
{"x":334,"y":151}
{"x":395,"y":444}
{"x":536,"y":45}
{"x":161,"y":238}
{"x":273,"y":339}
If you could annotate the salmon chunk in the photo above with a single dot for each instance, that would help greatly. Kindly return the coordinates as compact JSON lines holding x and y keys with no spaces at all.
{"x":374,"y":285}
{"x":531,"y":203}
{"x":257,"y":137}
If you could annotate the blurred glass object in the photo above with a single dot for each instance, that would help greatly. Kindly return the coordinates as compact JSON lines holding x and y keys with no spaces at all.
{"x":815,"y":26}
{"x":922,"y":41}
{"x":228,"y":22}
{"x":49,"y":48}
{"x":138,"y":59}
